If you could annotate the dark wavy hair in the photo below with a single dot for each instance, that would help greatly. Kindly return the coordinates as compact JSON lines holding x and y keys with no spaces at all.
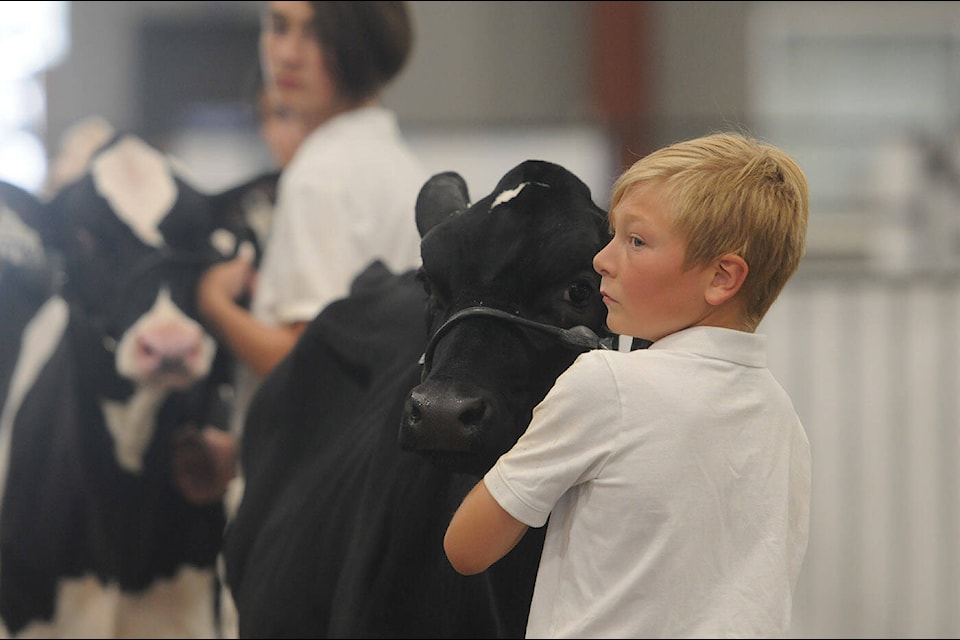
{"x":367,"y":44}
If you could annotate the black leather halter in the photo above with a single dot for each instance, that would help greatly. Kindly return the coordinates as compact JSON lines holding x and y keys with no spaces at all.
{"x":579,"y":337}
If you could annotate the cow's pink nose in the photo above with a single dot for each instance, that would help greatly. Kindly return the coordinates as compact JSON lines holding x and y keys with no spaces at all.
{"x":169,"y":348}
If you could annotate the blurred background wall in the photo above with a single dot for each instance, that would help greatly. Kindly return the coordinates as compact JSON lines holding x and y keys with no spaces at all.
{"x":866,"y":95}
{"x":537,"y":70}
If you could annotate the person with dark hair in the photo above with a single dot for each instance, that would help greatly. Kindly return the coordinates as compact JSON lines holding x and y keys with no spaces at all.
{"x":345,"y":199}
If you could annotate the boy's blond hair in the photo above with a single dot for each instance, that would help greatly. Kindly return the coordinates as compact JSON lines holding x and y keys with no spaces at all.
{"x":730,"y":193}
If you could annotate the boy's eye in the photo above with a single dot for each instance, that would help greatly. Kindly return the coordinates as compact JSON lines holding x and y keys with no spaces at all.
{"x":636,"y":242}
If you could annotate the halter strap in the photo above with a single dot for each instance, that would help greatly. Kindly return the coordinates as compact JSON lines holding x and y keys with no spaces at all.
{"x":579,"y":337}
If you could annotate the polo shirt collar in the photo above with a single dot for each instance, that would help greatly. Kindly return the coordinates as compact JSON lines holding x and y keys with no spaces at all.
{"x":741,"y":347}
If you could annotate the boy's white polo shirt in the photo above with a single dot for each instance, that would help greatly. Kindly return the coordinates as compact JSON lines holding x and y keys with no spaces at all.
{"x":689,"y":485}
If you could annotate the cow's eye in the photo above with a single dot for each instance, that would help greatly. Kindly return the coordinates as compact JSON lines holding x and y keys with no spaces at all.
{"x":424,"y":281}
{"x":579,"y":293}
{"x":433,"y":307}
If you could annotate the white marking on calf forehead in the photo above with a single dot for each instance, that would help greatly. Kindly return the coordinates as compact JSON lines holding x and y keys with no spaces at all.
{"x":19,"y":244}
{"x":509,"y":194}
{"x":137,"y":182}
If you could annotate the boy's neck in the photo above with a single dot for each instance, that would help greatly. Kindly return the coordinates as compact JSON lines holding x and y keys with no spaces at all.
{"x":726,"y":316}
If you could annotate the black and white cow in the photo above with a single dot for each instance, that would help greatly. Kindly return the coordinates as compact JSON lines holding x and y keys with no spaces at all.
{"x":356,"y":454}
{"x":26,"y":277}
{"x":105,"y":372}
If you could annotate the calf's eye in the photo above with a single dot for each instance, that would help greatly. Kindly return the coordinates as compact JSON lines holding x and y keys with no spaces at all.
{"x":579,"y":293}
{"x":424,"y":281}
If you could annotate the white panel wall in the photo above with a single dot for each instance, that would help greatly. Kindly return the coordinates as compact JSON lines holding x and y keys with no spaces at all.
{"x":873,"y":366}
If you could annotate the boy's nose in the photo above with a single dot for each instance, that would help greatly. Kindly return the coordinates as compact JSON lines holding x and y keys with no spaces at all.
{"x":600,"y":262}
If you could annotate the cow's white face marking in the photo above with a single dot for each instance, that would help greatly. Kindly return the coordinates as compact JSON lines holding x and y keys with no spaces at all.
{"x":138,"y":183}
{"x":508,"y":195}
{"x":164,"y":335}
{"x":131,"y":424}
{"x":178,"y":607}
{"x":19,"y":244}
{"x":164,"y":350}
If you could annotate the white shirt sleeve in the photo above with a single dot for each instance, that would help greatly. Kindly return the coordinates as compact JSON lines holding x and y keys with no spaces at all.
{"x":320,"y":256}
{"x":569,"y":439}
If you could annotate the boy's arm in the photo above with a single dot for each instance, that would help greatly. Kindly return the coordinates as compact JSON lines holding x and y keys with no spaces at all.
{"x":480,"y":532}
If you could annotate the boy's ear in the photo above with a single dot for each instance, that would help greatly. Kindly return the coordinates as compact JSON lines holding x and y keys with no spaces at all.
{"x":730,"y":270}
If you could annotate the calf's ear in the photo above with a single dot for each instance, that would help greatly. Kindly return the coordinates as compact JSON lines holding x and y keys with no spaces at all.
{"x":26,"y":206}
{"x":246,"y":209}
{"x":21,"y":245}
{"x":440,"y":197}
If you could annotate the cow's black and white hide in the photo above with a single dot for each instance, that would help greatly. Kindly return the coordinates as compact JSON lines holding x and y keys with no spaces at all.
{"x":26,"y":275}
{"x":112,"y":368}
{"x":351,"y":477}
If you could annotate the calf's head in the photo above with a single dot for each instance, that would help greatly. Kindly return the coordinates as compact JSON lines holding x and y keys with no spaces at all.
{"x":133,"y":237}
{"x":513,"y":299}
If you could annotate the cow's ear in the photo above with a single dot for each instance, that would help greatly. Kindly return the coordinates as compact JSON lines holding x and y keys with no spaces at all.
{"x":24,"y":204}
{"x":229,"y":205}
{"x":246,"y":210}
{"x":21,"y":218}
{"x":50,"y":221}
{"x":441,"y":196}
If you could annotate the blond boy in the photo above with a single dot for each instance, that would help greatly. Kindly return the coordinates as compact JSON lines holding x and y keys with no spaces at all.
{"x":676,"y":478}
